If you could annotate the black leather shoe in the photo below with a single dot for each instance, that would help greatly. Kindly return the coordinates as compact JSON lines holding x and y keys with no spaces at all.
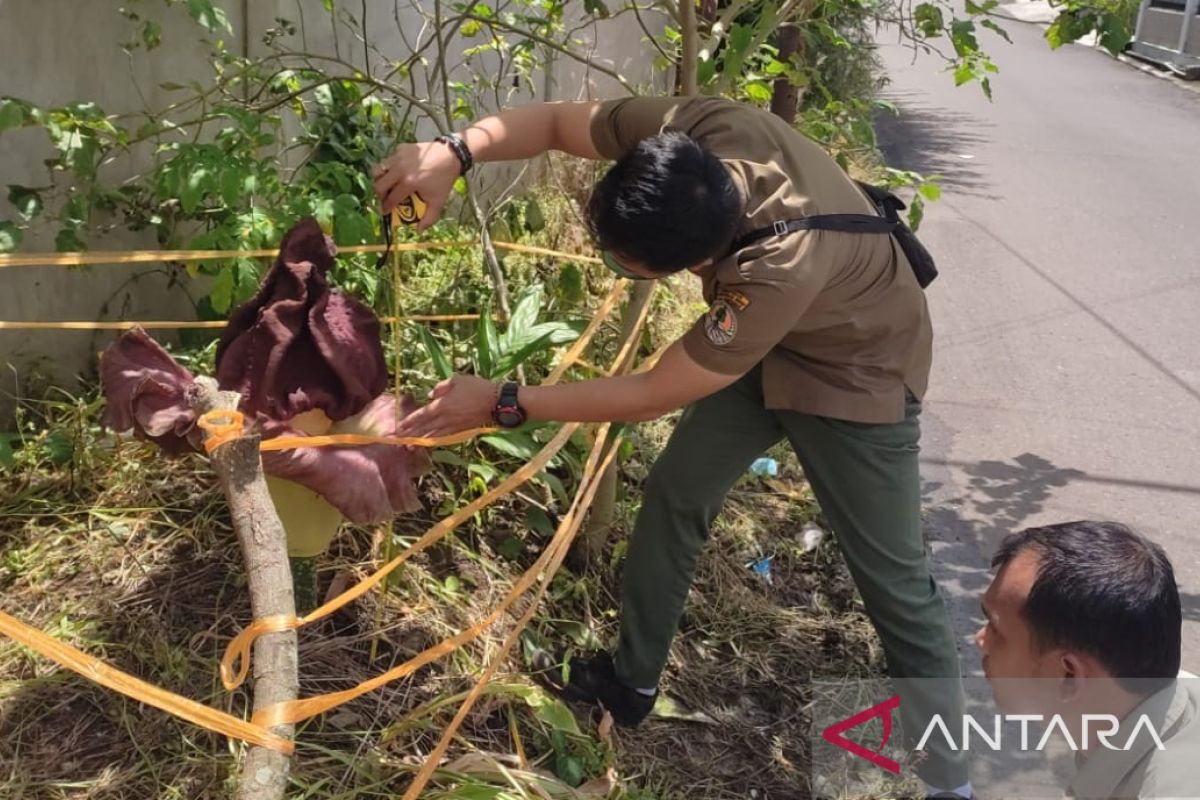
{"x":593,"y":679}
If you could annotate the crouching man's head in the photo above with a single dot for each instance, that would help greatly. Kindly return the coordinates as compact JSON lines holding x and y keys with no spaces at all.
{"x":1075,"y":605}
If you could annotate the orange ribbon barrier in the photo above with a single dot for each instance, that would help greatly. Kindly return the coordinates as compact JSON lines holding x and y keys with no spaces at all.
{"x":224,"y":426}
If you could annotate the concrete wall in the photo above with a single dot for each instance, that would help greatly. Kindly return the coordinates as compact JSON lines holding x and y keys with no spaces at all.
{"x":59,"y":51}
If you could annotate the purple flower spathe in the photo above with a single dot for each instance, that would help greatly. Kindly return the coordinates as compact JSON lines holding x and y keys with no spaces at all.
{"x":298,"y":344}
{"x":147,"y":392}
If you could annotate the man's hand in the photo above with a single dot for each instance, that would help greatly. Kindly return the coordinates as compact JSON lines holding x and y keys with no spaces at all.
{"x":426,"y":168}
{"x":458,"y":404}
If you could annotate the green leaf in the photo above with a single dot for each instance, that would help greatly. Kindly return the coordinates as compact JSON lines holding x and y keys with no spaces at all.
{"x":68,"y":241}
{"x":758,"y":91}
{"x":208,"y":15}
{"x":995,"y":28}
{"x":962,"y":34}
{"x":929,"y":19}
{"x":740,"y":38}
{"x":916,"y":212}
{"x":470,"y":28}
{"x":570,"y":283}
{"x":541,"y":337}
{"x":8,"y":459}
{"x":441,"y":364}
{"x":10,"y":236}
{"x":221,"y":294}
{"x":193,"y":189}
{"x":539,"y":521}
{"x":524,"y":316}
{"x":328,"y":4}
{"x":1114,"y":33}
{"x":231,"y":186}
{"x":486,"y":472}
{"x":517,"y":444}
{"x":13,"y":113}
{"x":487,"y":343}
{"x":962,"y":74}
{"x":27,"y":201}
{"x":59,"y":448}
{"x":452,"y":584}
{"x":152,"y":34}
{"x":930,"y":191}
{"x":535,"y":220}
{"x":596,"y":8}
{"x":510,"y":549}
{"x":553,"y":712}
{"x":705,"y":71}
{"x":556,"y":486}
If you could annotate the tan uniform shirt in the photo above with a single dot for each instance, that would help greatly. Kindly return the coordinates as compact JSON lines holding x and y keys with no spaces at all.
{"x":1144,"y":771}
{"x":837,"y":319}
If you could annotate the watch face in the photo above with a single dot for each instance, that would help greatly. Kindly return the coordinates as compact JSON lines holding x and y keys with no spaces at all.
{"x":509,"y":417}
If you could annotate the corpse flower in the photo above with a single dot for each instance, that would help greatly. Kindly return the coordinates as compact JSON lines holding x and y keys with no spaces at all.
{"x":306,"y":360}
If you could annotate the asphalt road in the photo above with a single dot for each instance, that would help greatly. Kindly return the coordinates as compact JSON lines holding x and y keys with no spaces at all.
{"x":1067,"y":358}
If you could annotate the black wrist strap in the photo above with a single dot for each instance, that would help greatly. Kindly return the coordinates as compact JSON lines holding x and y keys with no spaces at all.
{"x":460,"y":149}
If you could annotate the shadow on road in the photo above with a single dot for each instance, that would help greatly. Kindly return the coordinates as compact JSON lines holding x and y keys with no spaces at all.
{"x":932,"y":140}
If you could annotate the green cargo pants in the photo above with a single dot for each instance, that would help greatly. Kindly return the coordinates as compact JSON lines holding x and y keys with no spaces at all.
{"x":867,"y":481}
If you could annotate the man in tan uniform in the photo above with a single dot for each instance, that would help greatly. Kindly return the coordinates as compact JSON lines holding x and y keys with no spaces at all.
{"x":1084,"y":620}
{"x":819,"y":336}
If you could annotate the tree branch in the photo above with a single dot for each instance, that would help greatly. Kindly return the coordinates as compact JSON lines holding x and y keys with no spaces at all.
{"x":264,"y":548}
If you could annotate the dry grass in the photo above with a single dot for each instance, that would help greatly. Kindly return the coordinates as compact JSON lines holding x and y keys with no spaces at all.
{"x":130,"y":556}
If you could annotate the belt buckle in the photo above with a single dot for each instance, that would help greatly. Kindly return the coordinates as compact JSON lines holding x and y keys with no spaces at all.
{"x":781,"y":228}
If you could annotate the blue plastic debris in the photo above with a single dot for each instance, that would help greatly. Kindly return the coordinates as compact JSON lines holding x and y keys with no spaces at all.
{"x":765,"y":466}
{"x":762,"y":568}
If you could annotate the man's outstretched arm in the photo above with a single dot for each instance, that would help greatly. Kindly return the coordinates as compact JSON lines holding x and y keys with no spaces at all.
{"x":430,"y":168}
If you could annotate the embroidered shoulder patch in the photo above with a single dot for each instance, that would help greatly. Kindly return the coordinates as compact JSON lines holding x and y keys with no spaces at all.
{"x":720,"y":323}
{"x":734,"y":298}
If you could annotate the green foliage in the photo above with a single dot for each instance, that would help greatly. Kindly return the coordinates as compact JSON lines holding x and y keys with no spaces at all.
{"x":1112,"y":20}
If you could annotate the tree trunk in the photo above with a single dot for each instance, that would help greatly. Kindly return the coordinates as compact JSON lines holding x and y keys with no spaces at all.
{"x":689,"y":44}
{"x":603,"y":512}
{"x":264,"y":548}
{"x":785,"y":96}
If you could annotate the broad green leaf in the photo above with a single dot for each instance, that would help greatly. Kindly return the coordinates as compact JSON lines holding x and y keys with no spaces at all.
{"x":27,"y":201}
{"x":517,"y":444}
{"x":470,"y":28}
{"x":929,"y":19}
{"x":328,"y":4}
{"x":67,"y":241}
{"x":758,"y":91}
{"x":963,"y":74}
{"x":10,"y":236}
{"x":535,"y":220}
{"x":930,"y":191}
{"x":221,"y":294}
{"x":486,"y":472}
{"x":596,"y":8}
{"x":8,"y":459}
{"x":13,"y":113}
{"x":152,"y":34}
{"x":524,"y":316}
{"x":539,"y":521}
{"x":487,"y":342}
{"x":705,"y":71}
{"x":511,"y":548}
{"x":962,"y":34}
{"x":449,"y":457}
{"x":231,"y":186}
{"x":59,"y":448}
{"x":570,"y":283}
{"x":553,"y":712}
{"x":193,"y":189}
{"x":208,"y":15}
{"x":441,"y":364}
{"x":1114,"y":33}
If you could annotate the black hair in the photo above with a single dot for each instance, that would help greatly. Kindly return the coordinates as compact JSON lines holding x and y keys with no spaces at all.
{"x":1106,"y":591}
{"x":667,"y":204}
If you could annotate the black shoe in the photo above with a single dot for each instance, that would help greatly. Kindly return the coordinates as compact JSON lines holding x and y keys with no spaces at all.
{"x":593,"y":679}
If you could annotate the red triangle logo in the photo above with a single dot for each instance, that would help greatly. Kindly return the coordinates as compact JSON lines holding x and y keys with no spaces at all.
{"x":833,"y":734}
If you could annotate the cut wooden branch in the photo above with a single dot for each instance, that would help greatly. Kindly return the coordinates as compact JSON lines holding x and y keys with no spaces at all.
{"x":264,"y":548}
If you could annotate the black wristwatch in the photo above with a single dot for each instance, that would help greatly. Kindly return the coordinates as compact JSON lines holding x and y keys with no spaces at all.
{"x":508,"y":412}
{"x":459,"y":147}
